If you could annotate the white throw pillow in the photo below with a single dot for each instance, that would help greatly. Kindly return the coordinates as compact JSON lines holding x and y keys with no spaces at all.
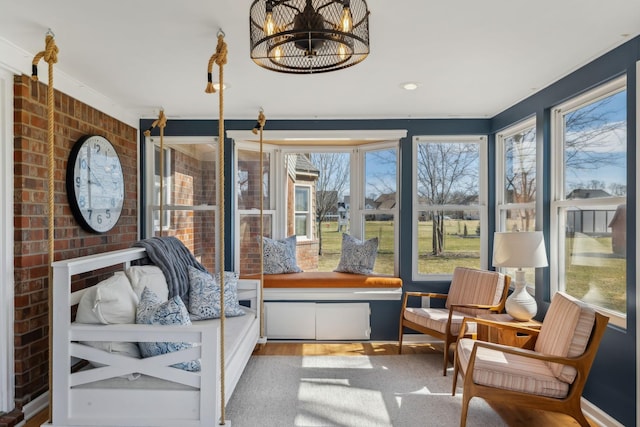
{"x":111,"y":301}
{"x":148,"y":276}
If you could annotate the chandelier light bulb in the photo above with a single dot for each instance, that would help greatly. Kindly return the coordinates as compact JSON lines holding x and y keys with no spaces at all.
{"x":277,"y":54}
{"x":347,"y":20}
{"x":342,"y":52}
{"x":269,"y":24}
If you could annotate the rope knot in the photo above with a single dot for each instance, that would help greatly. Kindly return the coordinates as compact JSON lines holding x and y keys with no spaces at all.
{"x":220,"y":58}
{"x":51,"y":50}
{"x":50,"y":55}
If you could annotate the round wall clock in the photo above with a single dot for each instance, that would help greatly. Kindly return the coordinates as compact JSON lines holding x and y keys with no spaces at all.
{"x":95,"y":184}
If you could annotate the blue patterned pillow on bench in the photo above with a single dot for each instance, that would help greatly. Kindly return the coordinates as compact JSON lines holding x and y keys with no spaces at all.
{"x":357,"y":256}
{"x":279,"y":256}
{"x":204,"y":295}
{"x":153,"y":311}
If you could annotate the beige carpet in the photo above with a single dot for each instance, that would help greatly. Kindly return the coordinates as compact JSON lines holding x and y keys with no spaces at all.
{"x":406,"y":390}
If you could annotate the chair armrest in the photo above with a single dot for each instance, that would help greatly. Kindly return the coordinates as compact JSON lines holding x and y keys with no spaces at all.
{"x":420,"y":294}
{"x":478,"y":306}
{"x":498,"y":325}
{"x":426,"y":294}
{"x":571,"y":361}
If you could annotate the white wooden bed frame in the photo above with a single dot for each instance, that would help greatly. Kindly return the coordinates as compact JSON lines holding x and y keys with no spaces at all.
{"x":162,"y":396}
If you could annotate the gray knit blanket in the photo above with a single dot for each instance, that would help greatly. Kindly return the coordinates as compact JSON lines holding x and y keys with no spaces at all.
{"x":174,"y":259}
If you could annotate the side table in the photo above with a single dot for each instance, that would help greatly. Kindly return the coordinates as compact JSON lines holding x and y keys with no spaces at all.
{"x":506,"y":336}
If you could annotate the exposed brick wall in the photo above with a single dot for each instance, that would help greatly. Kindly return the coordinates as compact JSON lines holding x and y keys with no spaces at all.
{"x":73,"y":120}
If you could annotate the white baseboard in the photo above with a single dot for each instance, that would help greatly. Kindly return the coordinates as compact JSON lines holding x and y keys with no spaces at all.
{"x":34,"y":407}
{"x":598,"y":415}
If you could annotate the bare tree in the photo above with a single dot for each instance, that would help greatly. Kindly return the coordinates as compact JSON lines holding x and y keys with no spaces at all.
{"x":447,"y":174}
{"x":520,"y":172}
{"x":592,"y":134}
{"x":333,"y":180}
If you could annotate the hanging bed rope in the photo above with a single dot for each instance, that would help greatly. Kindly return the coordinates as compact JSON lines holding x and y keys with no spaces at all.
{"x":50,"y":55}
{"x":259,"y":128}
{"x":220,"y":58}
{"x":160,"y":122}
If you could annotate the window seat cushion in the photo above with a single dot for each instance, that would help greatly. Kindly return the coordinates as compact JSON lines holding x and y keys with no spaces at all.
{"x":327,"y":279}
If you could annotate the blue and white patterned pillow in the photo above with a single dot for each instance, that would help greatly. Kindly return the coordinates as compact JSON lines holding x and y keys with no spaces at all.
{"x":357,"y":256}
{"x":279,"y":256}
{"x":204,"y":295}
{"x":153,"y":311}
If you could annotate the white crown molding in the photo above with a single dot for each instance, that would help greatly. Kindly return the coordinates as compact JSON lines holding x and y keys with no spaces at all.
{"x":18,"y":61}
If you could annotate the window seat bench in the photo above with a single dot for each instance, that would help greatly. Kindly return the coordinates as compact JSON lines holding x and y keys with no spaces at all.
{"x":327,"y":279}
{"x":327,"y":305}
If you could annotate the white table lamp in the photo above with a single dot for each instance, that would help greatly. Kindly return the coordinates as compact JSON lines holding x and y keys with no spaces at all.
{"x":520,"y":250}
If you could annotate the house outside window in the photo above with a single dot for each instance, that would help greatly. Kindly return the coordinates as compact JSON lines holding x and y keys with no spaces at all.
{"x":588,"y":221}
{"x":450,"y":214}
{"x":516,"y":183}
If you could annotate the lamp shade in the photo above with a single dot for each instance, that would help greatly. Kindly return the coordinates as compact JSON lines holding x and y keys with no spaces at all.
{"x":523,"y":249}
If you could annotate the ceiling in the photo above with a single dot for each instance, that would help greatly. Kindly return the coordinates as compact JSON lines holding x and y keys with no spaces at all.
{"x":470,"y":58}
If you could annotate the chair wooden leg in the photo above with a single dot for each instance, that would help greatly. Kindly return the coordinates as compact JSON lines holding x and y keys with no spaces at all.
{"x":446,"y":359}
{"x":400,"y":339}
{"x":465,"y":409}
{"x":455,"y":373}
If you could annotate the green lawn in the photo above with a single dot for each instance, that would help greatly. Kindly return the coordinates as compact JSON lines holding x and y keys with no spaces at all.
{"x":604,"y":274}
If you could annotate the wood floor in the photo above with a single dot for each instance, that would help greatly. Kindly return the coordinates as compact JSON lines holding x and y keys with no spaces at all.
{"x":514,"y":417}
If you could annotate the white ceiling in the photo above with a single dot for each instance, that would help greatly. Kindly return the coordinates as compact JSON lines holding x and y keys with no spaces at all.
{"x":471,"y":58}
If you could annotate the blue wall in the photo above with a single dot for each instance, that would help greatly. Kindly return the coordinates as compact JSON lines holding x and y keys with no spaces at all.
{"x":612,"y":382}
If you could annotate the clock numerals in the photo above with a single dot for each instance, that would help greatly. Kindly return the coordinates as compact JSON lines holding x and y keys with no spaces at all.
{"x":95,"y":182}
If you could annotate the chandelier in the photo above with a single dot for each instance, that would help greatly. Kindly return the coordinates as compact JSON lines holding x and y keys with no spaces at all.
{"x":308,"y":36}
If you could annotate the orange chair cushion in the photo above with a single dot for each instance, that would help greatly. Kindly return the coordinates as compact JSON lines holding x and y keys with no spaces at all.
{"x":327,"y":279}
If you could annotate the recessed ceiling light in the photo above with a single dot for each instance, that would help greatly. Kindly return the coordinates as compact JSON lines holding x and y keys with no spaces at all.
{"x":216,"y":86}
{"x":410,"y":86}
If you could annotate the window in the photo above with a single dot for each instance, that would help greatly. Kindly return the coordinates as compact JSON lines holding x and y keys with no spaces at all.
{"x":303,"y":211}
{"x":516,"y":183}
{"x":318,"y":191}
{"x":590,"y":197}
{"x":253,"y":188}
{"x":449,"y":204}
{"x":188,"y":210}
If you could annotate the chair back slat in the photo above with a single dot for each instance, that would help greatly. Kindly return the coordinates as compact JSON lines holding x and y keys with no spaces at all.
{"x":565,"y":332}
{"x":471,"y":286}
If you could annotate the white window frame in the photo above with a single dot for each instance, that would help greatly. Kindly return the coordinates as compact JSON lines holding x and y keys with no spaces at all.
{"x":501,"y":204}
{"x":355,"y":141}
{"x":558,"y":200}
{"x":481,"y":140}
{"x":359,"y":209}
{"x":156,"y":189}
{"x":150,"y":186}
{"x":309,"y":232}
{"x":7,"y":370}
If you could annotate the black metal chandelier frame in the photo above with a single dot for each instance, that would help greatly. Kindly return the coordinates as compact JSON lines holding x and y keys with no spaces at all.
{"x":308,"y":36}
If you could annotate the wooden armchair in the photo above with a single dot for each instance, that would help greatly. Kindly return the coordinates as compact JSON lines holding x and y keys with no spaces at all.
{"x":472,"y":292}
{"x":549,"y":377}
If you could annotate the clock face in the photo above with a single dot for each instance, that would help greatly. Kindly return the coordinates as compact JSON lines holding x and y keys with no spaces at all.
{"x":95,"y":184}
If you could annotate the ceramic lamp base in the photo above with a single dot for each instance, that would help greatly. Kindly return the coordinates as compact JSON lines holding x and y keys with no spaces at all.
{"x":521,"y":305}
